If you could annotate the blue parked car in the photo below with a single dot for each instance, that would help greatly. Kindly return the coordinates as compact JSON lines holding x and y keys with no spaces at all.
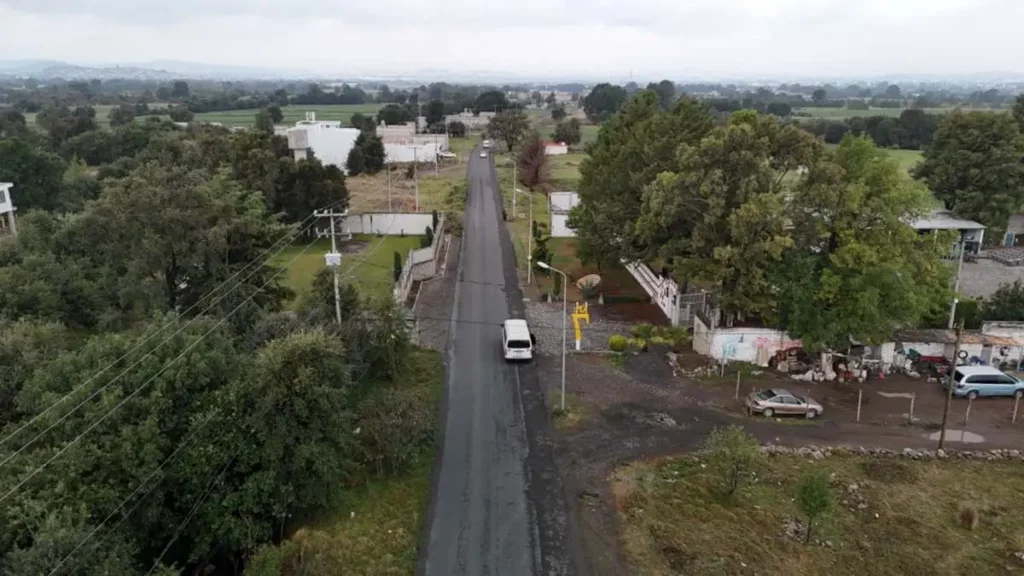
{"x":975,"y":381}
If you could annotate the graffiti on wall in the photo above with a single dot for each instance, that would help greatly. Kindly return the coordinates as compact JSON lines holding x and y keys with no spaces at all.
{"x":771,"y":345}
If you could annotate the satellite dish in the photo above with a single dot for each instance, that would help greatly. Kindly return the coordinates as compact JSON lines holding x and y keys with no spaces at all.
{"x":589,"y":279}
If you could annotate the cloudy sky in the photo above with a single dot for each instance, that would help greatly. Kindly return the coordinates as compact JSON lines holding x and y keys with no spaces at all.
{"x":592,"y":39}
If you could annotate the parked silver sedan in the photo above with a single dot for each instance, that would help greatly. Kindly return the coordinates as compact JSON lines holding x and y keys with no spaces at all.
{"x":778,"y":401}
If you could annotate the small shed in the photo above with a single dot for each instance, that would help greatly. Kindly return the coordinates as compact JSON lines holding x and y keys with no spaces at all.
{"x":991,"y":349}
{"x":972,"y":234}
{"x":556,"y":148}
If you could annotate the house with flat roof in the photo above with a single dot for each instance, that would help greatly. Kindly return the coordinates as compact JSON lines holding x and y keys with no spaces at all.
{"x":972,"y":234}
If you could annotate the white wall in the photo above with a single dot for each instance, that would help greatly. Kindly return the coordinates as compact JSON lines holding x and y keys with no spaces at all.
{"x":555,"y":149}
{"x":388,"y":223}
{"x":329,"y":142}
{"x":6,"y":202}
{"x":563,"y":200}
{"x":560,"y":226}
{"x":401,"y":153}
{"x":754,"y":345}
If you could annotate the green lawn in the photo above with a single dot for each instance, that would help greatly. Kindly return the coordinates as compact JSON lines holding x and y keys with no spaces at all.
{"x":370,"y":270}
{"x":564,"y":171}
{"x":899,"y":517}
{"x":588,"y":133}
{"x":292,"y":114}
{"x":907,"y":158}
{"x":840,"y":113}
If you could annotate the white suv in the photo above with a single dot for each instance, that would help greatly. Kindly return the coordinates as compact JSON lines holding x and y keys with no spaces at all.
{"x":516,"y":340}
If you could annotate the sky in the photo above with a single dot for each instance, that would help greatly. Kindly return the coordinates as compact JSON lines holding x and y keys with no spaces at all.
{"x":569,"y":39}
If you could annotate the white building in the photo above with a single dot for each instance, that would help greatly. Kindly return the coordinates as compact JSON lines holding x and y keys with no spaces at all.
{"x":8,"y":225}
{"x":559,"y":205}
{"x":403,"y":153}
{"x":396,"y":132}
{"x":328,"y":141}
{"x":555,"y":148}
{"x":471,"y":121}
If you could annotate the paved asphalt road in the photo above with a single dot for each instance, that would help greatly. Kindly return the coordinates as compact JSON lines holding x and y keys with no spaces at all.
{"x":482,"y":521}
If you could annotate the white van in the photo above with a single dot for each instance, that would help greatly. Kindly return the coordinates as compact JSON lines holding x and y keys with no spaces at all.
{"x":516,"y":340}
{"x":487,"y":144}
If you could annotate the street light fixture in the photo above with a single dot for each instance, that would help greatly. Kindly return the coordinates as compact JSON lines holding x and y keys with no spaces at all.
{"x":565,"y":311}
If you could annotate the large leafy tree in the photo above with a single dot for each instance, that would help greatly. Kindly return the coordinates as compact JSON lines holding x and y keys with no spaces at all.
{"x":666,"y":91}
{"x":603,"y":101}
{"x":36,"y":174}
{"x":857,"y":269}
{"x":532,"y":161}
{"x":974,"y":167}
{"x":569,"y":132}
{"x":718,"y":216}
{"x":509,"y":126}
{"x":631,"y":149}
{"x":491,"y":101}
{"x":393,"y":114}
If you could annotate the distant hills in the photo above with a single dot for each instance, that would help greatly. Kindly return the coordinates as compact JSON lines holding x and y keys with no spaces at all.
{"x":156,"y":70}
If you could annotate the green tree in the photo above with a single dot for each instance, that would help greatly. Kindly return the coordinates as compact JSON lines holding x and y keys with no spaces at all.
{"x":732,"y":455}
{"x":1018,"y":112}
{"x":666,"y":91}
{"x":781,"y":109}
{"x":397,"y":266}
{"x":532,"y":161}
{"x":276,"y":116}
{"x":569,"y":132}
{"x":180,"y":113}
{"x":24,"y":346}
{"x":819,"y":96}
{"x":308,"y":185}
{"x":393,"y":114}
{"x":814,"y":498}
{"x":435,"y":112}
{"x":509,"y":126}
{"x":457,"y":129}
{"x":857,"y":269}
{"x":550,"y":100}
{"x":363,"y":122}
{"x":36,"y":174}
{"x":180,"y":89}
{"x":558,"y":113}
{"x":123,"y":114}
{"x":1006,"y":303}
{"x":603,"y":101}
{"x":356,"y":163}
{"x":374,"y":155}
{"x":719,"y":216}
{"x":79,"y":185}
{"x":264,"y":124}
{"x":974,"y":167}
{"x":632,"y":148}
{"x":491,"y":101}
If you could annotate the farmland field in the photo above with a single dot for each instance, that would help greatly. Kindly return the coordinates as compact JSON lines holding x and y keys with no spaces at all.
{"x":841,"y":113}
{"x":292,"y":114}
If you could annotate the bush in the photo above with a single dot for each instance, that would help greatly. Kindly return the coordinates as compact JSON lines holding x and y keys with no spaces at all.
{"x":813,"y":497}
{"x":428,"y":238}
{"x":396,"y":426}
{"x":969,"y":516}
{"x":644,"y":331}
{"x":589,"y":290}
{"x":732,"y":454}
{"x":397,"y":264}
{"x":637,"y":344}
{"x":659,"y":341}
{"x":265,"y":561}
{"x":617,"y":343}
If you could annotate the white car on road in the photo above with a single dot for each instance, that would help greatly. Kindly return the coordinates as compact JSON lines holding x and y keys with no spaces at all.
{"x":516,"y":340}
{"x":483,"y":154}
{"x":487,"y":143}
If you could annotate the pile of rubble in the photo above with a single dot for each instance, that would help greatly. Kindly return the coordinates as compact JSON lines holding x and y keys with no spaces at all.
{"x":818,"y":453}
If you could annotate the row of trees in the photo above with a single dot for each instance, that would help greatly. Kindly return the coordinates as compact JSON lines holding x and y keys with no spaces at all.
{"x":785,"y":231}
{"x":223,"y":419}
{"x":912,"y":130}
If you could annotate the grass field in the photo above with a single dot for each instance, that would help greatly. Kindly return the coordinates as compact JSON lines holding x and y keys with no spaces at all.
{"x":588,"y":133}
{"x":375,"y":531}
{"x":840,"y":113}
{"x":292,"y":114}
{"x":902,"y":517}
{"x":908,"y":159}
{"x":102,"y":114}
{"x":370,"y":269}
{"x":564,"y":171}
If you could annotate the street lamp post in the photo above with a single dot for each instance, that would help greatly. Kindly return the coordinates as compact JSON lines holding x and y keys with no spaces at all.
{"x":529,"y":237}
{"x":565,"y":311}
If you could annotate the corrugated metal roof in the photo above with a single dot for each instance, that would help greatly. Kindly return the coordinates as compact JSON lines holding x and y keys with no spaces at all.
{"x":944,"y":220}
{"x":949,"y":337}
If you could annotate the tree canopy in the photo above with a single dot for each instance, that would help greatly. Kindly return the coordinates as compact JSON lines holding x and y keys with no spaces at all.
{"x":509,"y":126}
{"x":603,"y":101}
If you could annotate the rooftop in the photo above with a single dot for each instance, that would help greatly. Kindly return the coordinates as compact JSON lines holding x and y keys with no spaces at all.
{"x":945,"y":220}
{"x":940,"y":336}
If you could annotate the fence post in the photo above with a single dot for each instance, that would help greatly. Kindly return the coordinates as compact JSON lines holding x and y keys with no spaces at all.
{"x":967,"y":414}
{"x":913,"y":396}
{"x":738,"y":385}
{"x":860,"y":396}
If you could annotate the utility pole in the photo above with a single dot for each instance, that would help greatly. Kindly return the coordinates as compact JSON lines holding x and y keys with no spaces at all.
{"x":514,"y":213}
{"x":951,"y":383}
{"x":416,"y":174}
{"x":437,"y":152}
{"x":389,"y":185}
{"x":333,"y":258}
{"x":956,"y":285}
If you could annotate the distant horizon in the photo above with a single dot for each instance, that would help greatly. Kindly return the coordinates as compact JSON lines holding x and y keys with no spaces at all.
{"x":209,"y":70}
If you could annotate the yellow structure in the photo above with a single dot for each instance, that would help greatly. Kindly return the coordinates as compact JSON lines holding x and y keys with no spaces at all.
{"x":581,"y":312}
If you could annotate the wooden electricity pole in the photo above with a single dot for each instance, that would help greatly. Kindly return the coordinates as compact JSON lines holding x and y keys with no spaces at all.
{"x":951,"y":382}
